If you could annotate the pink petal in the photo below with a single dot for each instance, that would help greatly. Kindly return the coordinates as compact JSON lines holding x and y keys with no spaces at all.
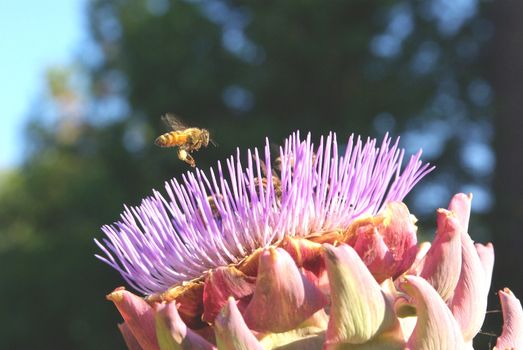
{"x":387,"y":242}
{"x":375,"y":254}
{"x":280,"y":286}
{"x":130,"y":340}
{"x":307,"y":253}
{"x":460,"y":205}
{"x":138,"y":316}
{"x":469,"y":303}
{"x":222,"y":283}
{"x":436,"y":328}
{"x":172,"y":333}
{"x":512,"y":334}
{"x":359,"y":310}
{"x":400,"y":236}
{"x":231,"y":331}
{"x":442,"y":265}
{"x":188,"y":296}
{"x":486,"y":255}
{"x":419,"y":261}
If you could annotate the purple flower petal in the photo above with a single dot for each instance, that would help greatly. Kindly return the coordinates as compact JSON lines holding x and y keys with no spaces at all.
{"x":206,"y":221}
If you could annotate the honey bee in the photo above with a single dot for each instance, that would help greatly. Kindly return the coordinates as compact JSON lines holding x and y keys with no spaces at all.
{"x":276,"y":181}
{"x":214,"y":208}
{"x":187,"y":139}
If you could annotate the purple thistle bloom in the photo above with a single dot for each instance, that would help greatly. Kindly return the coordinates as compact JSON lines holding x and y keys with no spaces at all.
{"x":216,"y":220}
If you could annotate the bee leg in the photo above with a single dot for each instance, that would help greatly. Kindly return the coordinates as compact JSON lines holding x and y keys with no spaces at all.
{"x":184,"y":156}
{"x":190,"y":160}
{"x":190,"y":143}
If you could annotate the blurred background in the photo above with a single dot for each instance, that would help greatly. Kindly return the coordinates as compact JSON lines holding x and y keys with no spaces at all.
{"x":85,"y":83}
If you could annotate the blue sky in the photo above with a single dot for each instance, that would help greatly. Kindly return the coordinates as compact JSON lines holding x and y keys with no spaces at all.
{"x":34,"y":35}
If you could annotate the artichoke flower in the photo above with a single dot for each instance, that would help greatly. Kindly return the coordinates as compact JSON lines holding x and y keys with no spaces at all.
{"x":314,"y":252}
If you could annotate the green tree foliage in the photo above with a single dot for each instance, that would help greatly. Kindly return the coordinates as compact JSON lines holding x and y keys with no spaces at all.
{"x":245,"y":70}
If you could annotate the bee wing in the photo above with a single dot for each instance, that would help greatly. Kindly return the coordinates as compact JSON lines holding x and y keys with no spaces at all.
{"x":173,"y":122}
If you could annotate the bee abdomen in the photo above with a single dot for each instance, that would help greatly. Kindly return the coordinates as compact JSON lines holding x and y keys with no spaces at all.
{"x":169,"y":139}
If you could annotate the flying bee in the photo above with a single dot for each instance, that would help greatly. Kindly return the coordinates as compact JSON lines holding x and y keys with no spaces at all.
{"x":276,"y":182}
{"x":185,"y":138}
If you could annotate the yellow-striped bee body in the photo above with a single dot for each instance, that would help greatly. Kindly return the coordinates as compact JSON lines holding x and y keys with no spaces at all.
{"x":192,"y":139}
{"x":186,"y":139}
